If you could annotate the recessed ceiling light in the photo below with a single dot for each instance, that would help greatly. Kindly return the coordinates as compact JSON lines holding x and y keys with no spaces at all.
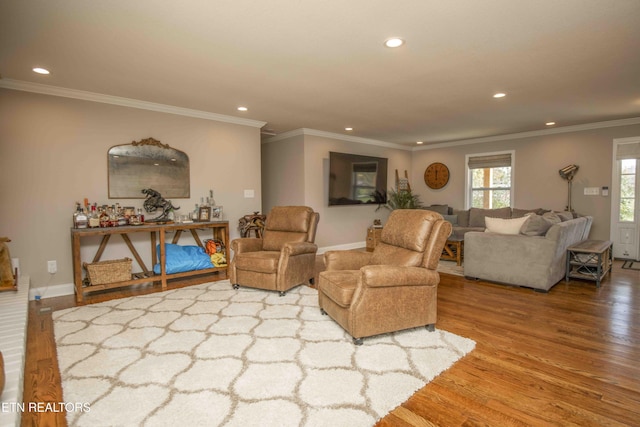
{"x":348,"y":129}
{"x":243,"y":109}
{"x":394,"y":42}
{"x":419,"y":142}
{"x":41,"y":70}
{"x":499,"y":95}
{"x":550,"y":123}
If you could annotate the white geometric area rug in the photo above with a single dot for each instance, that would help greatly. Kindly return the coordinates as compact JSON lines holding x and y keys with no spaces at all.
{"x":208,"y":355}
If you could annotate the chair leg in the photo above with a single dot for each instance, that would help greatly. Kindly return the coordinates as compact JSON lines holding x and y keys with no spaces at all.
{"x":431,"y":327}
{"x":358,"y":341}
{"x":312,"y":281}
{"x":282,"y":293}
{"x":236,"y":286}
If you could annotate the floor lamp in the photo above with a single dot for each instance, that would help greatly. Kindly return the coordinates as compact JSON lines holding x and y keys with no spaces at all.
{"x":568,"y":172}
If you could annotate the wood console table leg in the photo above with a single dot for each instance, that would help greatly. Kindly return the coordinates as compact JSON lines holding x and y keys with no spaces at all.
{"x":103,"y":244}
{"x":77,"y":267}
{"x":163,"y":261}
{"x":135,"y":254}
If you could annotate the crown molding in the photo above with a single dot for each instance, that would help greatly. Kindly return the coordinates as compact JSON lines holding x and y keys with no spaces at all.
{"x":331,"y":135}
{"x":124,"y":102}
{"x":542,"y":132}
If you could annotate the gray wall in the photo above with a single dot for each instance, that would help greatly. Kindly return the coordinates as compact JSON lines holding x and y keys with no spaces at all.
{"x":53,"y":152}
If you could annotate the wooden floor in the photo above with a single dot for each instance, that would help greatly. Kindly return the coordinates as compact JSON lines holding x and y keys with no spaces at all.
{"x":569,"y":357}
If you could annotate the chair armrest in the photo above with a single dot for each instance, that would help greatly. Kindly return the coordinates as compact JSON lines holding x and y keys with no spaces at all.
{"x":391,"y":275}
{"x":246,"y":244}
{"x":346,"y":260}
{"x":297,"y":248}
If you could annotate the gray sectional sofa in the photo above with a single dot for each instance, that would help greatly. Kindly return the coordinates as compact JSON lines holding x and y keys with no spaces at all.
{"x":535,"y":257}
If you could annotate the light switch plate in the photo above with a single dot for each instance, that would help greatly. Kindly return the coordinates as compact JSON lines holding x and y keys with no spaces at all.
{"x":591,"y":191}
{"x":249,"y":194}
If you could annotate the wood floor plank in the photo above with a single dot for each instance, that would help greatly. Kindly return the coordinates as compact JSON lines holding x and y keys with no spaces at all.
{"x":568,"y":357}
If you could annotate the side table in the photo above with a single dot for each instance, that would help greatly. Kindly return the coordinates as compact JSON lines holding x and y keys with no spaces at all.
{"x":373,"y":237}
{"x":453,"y":250}
{"x":589,"y":260}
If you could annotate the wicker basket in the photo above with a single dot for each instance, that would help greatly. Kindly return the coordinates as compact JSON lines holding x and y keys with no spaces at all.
{"x":112,"y":271}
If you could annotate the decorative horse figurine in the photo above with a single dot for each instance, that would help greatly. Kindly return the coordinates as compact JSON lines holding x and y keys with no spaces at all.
{"x":155,"y":201}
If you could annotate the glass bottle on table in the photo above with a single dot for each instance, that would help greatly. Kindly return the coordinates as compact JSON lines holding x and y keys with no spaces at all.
{"x":82,"y":220}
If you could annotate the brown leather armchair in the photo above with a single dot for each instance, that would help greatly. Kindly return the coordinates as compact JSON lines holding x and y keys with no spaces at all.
{"x":283,"y":258}
{"x":392,"y":288}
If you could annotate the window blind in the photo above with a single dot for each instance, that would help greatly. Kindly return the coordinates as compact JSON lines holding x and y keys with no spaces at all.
{"x":628,"y":151}
{"x":491,"y":161}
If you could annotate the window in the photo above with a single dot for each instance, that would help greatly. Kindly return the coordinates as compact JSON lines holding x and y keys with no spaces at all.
{"x":490,"y":180}
{"x":364,"y":180}
{"x":627,"y":189}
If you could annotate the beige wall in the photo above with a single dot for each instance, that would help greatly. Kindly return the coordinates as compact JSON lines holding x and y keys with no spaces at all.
{"x":283,"y":170}
{"x":339,"y":225}
{"x":536,"y":179}
{"x":53,"y":153}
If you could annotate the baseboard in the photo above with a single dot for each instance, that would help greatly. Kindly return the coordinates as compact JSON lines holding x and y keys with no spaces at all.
{"x":345,"y":247}
{"x":52,"y":291}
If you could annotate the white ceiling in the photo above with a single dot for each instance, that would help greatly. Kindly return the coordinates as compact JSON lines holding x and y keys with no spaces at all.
{"x":322,"y":64}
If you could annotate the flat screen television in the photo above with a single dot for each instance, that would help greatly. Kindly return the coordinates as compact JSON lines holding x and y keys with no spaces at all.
{"x":356,"y":179}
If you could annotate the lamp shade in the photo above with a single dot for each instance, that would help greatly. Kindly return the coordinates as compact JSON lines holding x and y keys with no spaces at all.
{"x":568,"y":171}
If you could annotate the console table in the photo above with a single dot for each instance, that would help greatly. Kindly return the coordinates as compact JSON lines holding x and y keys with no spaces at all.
{"x":157,"y":234}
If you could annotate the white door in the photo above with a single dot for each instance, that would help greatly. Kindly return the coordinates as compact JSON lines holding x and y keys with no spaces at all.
{"x":625,"y":200}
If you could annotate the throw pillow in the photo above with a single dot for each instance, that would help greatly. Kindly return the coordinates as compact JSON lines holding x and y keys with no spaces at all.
{"x":505,"y":226}
{"x":552,"y":217}
{"x":536,"y":226}
{"x":565,"y":216}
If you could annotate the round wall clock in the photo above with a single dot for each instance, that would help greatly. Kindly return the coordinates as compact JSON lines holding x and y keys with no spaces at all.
{"x":436,"y":175}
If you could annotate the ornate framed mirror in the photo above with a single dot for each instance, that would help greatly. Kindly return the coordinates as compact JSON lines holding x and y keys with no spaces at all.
{"x":147,"y":164}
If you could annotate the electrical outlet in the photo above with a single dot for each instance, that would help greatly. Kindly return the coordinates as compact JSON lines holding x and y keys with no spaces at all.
{"x":52,"y":266}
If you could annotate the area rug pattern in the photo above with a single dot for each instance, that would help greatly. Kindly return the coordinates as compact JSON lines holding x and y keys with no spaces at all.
{"x":210,"y":355}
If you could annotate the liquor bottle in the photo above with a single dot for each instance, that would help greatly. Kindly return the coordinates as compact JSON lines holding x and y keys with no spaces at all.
{"x":94,"y":219}
{"x":140,"y":216}
{"x":82,"y":220}
{"x":75,"y":215}
{"x":104,"y":218}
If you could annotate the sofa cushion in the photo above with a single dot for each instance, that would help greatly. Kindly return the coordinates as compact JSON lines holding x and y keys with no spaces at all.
{"x":339,"y":285}
{"x":453,"y":219}
{"x":441,"y":209}
{"x":463,"y":217}
{"x":505,"y":226}
{"x":261,"y":261}
{"x":519,"y":213}
{"x":458,"y":232}
{"x":477,"y":215}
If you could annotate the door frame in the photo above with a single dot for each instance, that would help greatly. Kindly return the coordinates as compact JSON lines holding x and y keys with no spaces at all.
{"x":634,"y":227}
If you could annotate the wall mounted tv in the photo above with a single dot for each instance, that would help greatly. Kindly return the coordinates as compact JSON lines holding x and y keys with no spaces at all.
{"x":357,"y":180}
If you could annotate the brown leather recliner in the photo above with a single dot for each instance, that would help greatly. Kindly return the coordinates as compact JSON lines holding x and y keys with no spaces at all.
{"x":392,"y":288}
{"x":283,"y":258}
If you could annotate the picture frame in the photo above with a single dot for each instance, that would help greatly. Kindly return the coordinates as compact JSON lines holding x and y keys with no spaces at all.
{"x":204,"y":213}
{"x":216,"y":213}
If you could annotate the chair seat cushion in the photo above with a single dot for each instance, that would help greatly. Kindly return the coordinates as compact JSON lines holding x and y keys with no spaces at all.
{"x":339,"y":285}
{"x":261,"y":261}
